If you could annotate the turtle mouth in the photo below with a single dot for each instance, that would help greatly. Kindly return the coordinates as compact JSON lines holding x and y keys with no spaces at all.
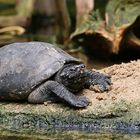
{"x":82,"y":70}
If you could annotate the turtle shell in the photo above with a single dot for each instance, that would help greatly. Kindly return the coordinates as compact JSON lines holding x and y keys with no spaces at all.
{"x":24,"y":66}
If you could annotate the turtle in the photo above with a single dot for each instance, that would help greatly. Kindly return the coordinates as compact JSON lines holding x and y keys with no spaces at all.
{"x":37,"y":72}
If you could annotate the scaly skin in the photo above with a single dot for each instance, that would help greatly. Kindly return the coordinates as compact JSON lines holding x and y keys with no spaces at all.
{"x":70,"y":79}
{"x":54,"y":91}
{"x":96,"y":78}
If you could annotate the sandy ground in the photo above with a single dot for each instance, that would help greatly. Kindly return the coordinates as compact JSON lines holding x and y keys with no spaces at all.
{"x":126,"y":85}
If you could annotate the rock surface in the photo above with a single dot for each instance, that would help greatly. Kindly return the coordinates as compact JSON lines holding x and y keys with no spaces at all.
{"x":115,"y":110}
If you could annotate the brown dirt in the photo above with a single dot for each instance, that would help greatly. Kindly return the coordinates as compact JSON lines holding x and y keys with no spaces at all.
{"x":126,"y":85}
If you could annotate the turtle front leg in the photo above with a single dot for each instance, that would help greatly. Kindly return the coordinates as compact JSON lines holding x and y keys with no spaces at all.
{"x":52,"y":90}
{"x":102,"y":81}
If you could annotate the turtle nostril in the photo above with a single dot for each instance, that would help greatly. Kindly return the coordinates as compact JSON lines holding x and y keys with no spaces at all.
{"x":82,"y":66}
{"x":72,"y":69}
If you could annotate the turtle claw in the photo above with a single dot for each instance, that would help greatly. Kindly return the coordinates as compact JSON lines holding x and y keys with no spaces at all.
{"x":103,"y":88}
{"x":108,"y":80}
{"x":82,"y":102}
{"x":104,"y":83}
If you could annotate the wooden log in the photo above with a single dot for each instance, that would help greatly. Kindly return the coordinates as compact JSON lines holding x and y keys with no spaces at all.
{"x":110,"y":29}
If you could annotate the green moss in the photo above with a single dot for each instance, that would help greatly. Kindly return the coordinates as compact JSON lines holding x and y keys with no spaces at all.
{"x":103,"y":115}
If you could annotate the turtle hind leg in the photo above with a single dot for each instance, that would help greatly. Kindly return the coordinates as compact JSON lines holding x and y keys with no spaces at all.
{"x":52,"y":90}
{"x":40,"y":95}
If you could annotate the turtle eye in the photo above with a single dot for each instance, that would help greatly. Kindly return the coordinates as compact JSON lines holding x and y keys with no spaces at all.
{"x":71,"y":70}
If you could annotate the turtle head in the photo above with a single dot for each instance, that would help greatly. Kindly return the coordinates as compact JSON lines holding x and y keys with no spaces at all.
{"x":72,"y":76}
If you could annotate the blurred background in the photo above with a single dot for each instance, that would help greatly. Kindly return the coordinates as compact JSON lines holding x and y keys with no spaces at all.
{"x":100,"y":32}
